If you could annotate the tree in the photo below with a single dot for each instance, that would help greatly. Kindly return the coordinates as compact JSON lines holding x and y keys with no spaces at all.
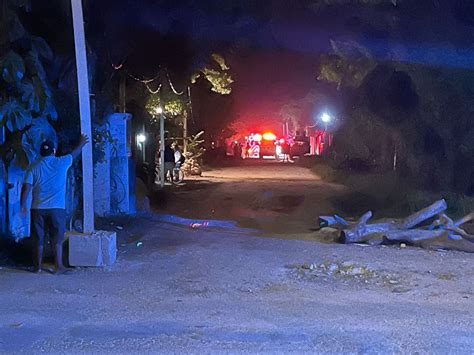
{"x":347,"y":65}
{"x":300,"y":113}
{"x":217,"y":74}
{"x":412,"y":117}
{"x":25,"y":95}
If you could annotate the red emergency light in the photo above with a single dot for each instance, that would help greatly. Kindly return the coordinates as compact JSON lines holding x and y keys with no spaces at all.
{"x":269,"y":136}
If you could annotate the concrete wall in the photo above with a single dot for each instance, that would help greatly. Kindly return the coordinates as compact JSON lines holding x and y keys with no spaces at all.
{"x":102,"y":185}
{"x":119,"y":165}
{"x":3,"y":190}
{"x":114,"y":183}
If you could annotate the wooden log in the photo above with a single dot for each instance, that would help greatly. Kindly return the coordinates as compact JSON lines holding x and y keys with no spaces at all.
{"x":439,"y":223}
{"x":459,"y":231}
{"x":364,"y":219}
{"x":446,"y":223}
{"x":357,"y":235}
{"x":374,"y":238}
{"x":465,"y":219}
{"x":326,"y":221}
{"x":341,"y":220}
{"x":467,"y":236}
{"x":445,"y":220}
{"x":424,"y":214}
{"x":447,"y":244}
{"x":414,"y":235}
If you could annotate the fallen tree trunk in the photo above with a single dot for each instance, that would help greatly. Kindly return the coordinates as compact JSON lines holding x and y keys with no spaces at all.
{"x":327,"y":221}
{"x":361,"y":230}
{"x":443,"y":230}
{"x":448,"y":244}
{"x":414,"y":235}
{"x":468,"y":237}
{"x":465,"y":219}
{"x":357,"y":235}
{"x":364,"y":219}
{"x":446,"y":223}
{"x":426,"y":213}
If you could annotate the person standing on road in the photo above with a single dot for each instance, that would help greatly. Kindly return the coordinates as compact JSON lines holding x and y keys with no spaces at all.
{"x":285,"y":149}
{"x":169,"y":163}
{"x":179,"y":159}
{"x":47,"y":177}
{"x":237,"y":150}
{"x":178,"y":155}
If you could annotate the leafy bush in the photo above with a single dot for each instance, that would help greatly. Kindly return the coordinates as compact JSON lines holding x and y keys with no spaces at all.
{"x":25,"y":95}
{"x":195,"y":151}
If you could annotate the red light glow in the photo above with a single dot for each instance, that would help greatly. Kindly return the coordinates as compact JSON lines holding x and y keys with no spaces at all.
{"x":268,"y":136}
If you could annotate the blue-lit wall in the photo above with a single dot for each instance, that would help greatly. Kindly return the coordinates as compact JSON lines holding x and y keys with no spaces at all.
{"x":3,"y":190}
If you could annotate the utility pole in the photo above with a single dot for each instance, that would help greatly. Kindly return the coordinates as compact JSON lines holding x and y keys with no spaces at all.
{"x":162,"y":148}
{"x":185,"y":131}
{"x":122,"y":93}
{"x":185,"y":124}
{"x":85,"y":114}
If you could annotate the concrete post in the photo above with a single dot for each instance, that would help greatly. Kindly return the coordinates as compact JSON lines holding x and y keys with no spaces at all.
{"x":85,"y":114}
{"x":119,"y":164}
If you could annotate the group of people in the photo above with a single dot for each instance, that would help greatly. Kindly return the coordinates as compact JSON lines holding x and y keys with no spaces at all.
{"x":244,"y":152}
{"x":173,"y":160}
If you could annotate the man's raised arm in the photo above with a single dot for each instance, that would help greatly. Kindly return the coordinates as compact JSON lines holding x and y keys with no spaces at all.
{"x":82,"y":142}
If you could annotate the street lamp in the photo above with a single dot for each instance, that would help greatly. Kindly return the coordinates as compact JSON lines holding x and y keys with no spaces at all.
{"x":141,"y":138}
{"x":326,"y":118}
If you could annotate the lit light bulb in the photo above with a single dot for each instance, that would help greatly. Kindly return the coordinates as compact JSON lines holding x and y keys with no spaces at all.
{"x":325,"y":117}
{"x":141,"y":138}
{"x":159,"y":110}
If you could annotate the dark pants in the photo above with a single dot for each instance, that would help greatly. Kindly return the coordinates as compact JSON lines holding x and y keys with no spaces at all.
{"x":53,"y":219}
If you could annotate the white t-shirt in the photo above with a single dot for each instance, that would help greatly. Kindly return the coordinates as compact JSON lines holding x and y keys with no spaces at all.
{"x":177,"y":156}
{"x":48,"y":176}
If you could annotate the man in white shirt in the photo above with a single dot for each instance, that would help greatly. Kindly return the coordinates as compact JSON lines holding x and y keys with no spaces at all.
{"x":178,"y":161}
{"x":47,"y":177}
{"x":177,"y":154}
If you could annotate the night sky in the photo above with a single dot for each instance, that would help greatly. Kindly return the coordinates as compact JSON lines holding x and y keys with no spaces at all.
{"x":273,"y":47}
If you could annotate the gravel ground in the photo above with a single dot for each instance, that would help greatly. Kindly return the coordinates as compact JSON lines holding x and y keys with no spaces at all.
{"x":181,"y":287}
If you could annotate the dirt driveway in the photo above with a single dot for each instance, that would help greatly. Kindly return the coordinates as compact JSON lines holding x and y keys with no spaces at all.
{"x":181,"y":285}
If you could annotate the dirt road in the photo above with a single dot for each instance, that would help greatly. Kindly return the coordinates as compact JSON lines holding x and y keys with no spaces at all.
{"x":181,"y":285}
{"x":272,"y":197}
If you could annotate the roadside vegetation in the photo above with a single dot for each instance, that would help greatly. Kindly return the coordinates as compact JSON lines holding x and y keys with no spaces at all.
{"x":386,"y":193}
